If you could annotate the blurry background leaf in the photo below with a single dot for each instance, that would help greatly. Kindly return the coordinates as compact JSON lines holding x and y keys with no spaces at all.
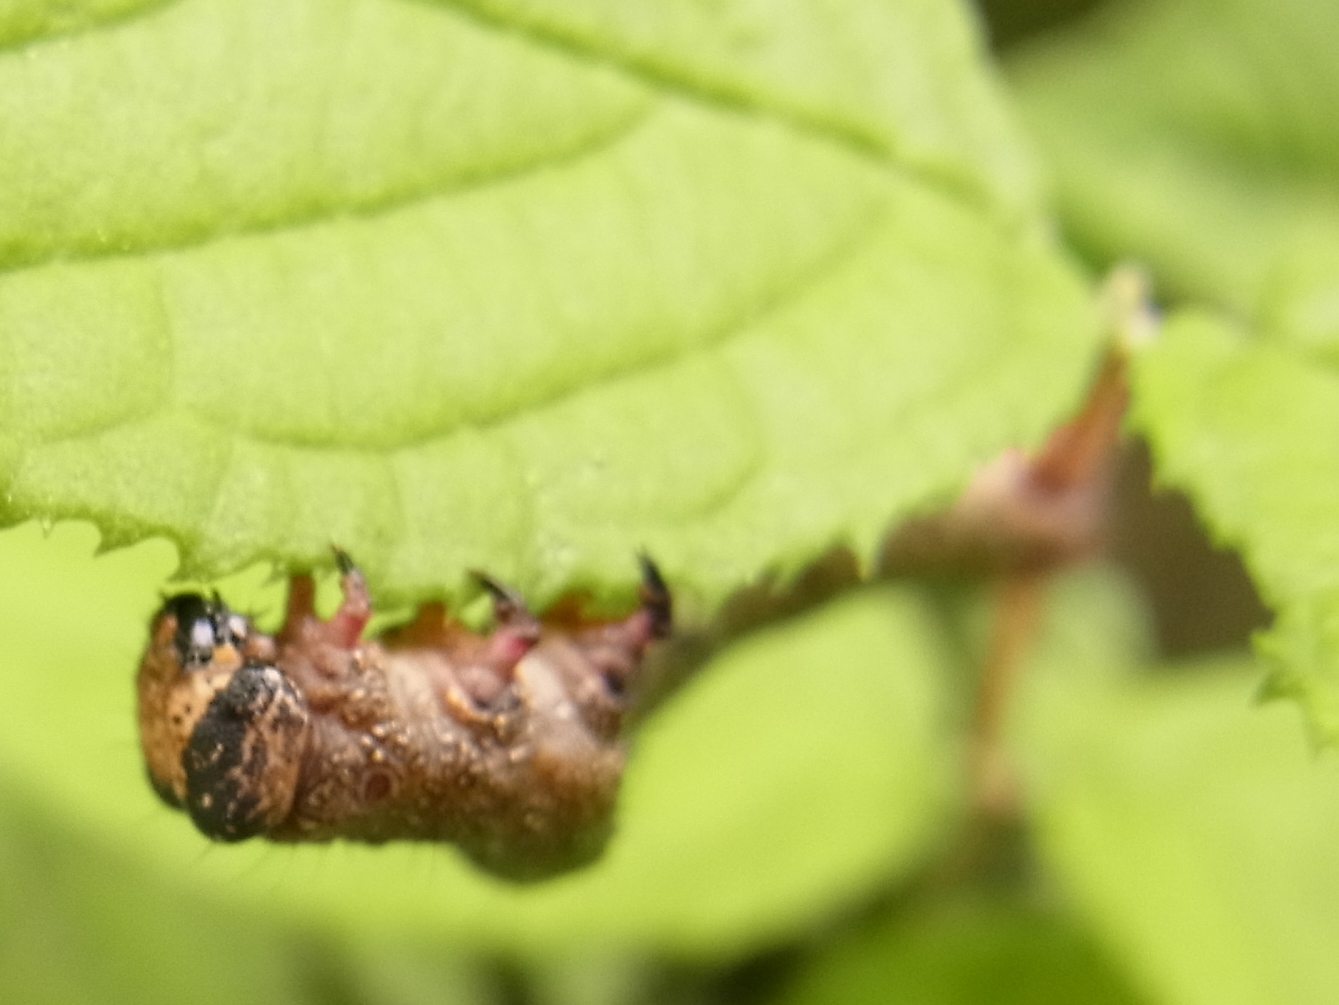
{"x":800,"y":767}
{"x":82,"y":923}
{"x":1194,"y":135}
{"x":986,"y":923}
{"x":961,"y":950}
{"x":1251,"y":430}
{"x":1193,"y":830}
{"x":1199,"y":138}
{"x":516,"y":286}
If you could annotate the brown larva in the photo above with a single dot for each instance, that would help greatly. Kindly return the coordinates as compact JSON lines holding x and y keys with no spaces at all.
{"x":507,"y":745}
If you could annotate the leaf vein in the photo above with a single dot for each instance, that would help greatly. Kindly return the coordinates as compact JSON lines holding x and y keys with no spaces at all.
{"x":596,"y":144}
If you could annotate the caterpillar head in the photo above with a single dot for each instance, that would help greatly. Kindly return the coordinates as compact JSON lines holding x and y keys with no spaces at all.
{"x":221,"y":728}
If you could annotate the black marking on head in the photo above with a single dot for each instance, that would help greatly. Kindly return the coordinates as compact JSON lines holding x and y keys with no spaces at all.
{"x":196,"y":633}
{"x":226,"y":757}
{"x":201,"y":626}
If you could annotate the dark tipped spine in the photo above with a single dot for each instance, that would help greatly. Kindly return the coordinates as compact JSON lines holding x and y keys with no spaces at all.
{"x":655,"y":597}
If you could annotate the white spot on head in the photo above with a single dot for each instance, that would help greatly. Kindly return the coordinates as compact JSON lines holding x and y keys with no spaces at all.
{"x":202,"y":635}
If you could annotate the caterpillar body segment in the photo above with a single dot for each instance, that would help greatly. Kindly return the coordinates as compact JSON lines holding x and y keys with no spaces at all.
{"x":507,"y":745}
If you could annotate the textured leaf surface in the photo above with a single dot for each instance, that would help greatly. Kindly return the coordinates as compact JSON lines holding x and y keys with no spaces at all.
{"x":902,"y":80}
{"x":1195,"y":135}
{"x":514,"y":286}
{"x":24,"y":20}
{"x":1193,"y":829}
{"x":796,"y":770}
{"x":1250,"y":429}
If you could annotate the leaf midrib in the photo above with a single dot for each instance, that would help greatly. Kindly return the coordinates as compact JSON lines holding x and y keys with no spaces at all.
{"x":851,"y":138}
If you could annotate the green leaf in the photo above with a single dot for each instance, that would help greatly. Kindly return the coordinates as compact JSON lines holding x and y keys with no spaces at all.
{"x":961,"y":949}
{"x":521,"y":287}
{"x":800,"y":767}
{"x":1300,"y":308}
{"x":1193,"y":830}
{"x":80,"y":923}
{"x":1248,"y":429}
{"x":1218,"y":163}
{"x":24,"y":20}
{"x":902,"y":80}
{"x":1195,"y":135}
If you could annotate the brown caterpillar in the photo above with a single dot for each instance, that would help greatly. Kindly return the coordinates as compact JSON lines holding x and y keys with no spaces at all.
{"x":507,"y":745}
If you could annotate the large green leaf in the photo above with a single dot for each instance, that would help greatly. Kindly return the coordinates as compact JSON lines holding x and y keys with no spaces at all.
{"x":902,"y":79}
{"x":1195,"y":135}
{"x":515,"y":286}
{"x":1193,"y":830}
{"x":799,"y":768}
{"x":22,"y":20}
{"x":1250,"y":429}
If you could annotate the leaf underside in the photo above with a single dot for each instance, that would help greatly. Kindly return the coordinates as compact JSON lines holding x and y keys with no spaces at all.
{"x":524,"y":287}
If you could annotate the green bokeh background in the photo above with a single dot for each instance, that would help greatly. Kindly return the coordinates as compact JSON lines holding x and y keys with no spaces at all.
{"x":794,"y":827}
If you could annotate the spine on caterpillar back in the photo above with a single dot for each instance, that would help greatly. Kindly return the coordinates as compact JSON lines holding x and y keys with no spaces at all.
{"x":507,"y":745}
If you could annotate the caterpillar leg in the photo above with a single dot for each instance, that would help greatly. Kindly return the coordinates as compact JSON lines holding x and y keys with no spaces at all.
{"x":611,"y":652}
{"x":485,"y":666}
{"x":345,"y":626}
{"x":515,"y":631}
{"x":350,"y":618}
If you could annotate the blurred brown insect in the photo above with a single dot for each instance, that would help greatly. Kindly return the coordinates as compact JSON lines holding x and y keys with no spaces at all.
{"x":507,"y":745}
